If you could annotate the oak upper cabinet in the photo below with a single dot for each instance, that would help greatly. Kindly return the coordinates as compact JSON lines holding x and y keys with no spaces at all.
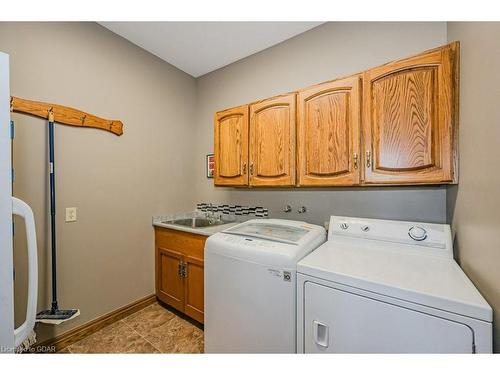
{"x":231,"y":147}
{"x":409,"y":119}
{"x":272,"y":141}
{"x":328,"y":133}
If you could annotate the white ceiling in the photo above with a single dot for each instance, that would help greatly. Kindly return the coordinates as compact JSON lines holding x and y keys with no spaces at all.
{"x":198,"y":48}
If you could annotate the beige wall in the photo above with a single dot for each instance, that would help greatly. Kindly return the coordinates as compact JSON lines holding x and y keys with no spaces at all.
{"x":105,"y":258}
{"x":324,"y":53}
{"x":474,"y":206}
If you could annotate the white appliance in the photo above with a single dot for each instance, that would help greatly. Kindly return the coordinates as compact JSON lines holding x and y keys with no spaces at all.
{"x":379,"y":286}
{"x":11,"y":338}
{"x":250,"y":285}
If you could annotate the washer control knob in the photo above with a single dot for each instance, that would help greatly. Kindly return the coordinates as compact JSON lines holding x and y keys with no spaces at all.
{"x":344,"y":226}
{"x":365,"y":228}
{"x":417,"y":233}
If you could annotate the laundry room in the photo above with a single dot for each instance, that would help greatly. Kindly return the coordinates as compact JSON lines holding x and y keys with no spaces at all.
{"x":237,"y":186}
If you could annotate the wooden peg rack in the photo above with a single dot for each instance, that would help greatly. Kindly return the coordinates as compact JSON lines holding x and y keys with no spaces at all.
{"x":64,"y":115}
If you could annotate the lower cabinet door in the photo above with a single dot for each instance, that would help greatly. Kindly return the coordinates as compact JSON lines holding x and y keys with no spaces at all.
{"x":169,"y":280}
{"x":194,"y":299}
{"x":336,"y":321}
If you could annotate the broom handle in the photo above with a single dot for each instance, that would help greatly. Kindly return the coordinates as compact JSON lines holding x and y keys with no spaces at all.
{"x":53,"y":211}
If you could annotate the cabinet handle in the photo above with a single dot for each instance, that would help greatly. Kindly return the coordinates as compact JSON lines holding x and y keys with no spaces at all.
{"x":251,"y":169}
{"x":182,"y":269}
{"x":368,"y":159}
{"x":355,"y":157}
{"x":179,"y":269}
{"x":244,"y":168}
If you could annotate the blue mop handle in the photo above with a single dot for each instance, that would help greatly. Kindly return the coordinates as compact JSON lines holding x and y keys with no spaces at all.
{"x":53,"y":210}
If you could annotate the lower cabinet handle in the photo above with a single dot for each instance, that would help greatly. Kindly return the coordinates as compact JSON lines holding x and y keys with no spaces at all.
{"x":320,"y":334}
{"x":368,"y":159}
{"x":179,"y":269}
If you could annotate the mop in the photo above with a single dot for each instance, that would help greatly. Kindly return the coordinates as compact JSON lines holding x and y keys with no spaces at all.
{"x":54,"y":315}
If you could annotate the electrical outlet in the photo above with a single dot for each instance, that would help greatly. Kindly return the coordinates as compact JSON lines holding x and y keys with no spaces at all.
{"x":70,"y":214}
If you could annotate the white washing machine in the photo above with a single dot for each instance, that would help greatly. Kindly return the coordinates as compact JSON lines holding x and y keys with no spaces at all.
{"x":380,"y":286}
{"x":250,"y":285}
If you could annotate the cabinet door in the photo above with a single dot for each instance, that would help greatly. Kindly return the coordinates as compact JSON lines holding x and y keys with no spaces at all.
{"x":272,"y":142}
{"x":231,"y":147}
{"x":169,"y":281}
{"x":194,"y":300}
{"x":409,"y":123}
{"x":328,"y":134}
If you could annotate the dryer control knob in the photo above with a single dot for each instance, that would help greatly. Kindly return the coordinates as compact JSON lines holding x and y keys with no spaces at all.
{"x":344,"y":226}
{"x":417,"y":233}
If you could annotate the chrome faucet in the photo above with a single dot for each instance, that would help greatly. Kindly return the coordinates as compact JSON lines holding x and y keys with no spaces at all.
{"x":212,"y":215}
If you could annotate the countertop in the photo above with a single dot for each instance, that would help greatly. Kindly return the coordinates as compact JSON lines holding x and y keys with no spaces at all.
{"x":159,"y":221}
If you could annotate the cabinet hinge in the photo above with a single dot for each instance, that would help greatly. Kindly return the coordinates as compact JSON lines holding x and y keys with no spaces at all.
{"x":12,"y":130}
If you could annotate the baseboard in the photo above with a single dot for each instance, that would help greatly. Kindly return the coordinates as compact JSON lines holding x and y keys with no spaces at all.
{"x":86,"y":329}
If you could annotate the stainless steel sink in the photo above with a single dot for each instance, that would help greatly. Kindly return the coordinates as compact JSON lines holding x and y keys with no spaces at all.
{"x":197,"y":222}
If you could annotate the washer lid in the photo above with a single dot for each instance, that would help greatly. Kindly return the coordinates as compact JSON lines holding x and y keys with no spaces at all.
{"x":272,"y":230}
{"x":275,"y":242}
{"x":429,"y":280}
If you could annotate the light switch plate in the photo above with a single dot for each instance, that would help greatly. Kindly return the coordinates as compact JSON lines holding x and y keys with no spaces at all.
{"x":70,"y":214}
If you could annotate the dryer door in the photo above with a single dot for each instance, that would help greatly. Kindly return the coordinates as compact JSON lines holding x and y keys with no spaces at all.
{"x":336,"y":321}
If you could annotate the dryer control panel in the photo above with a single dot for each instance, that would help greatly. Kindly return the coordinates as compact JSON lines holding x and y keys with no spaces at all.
{"x":429,"y":235}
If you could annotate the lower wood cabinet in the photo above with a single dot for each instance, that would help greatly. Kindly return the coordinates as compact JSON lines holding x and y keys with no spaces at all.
{"x":193,"y":292}
{"x":179,"y":271}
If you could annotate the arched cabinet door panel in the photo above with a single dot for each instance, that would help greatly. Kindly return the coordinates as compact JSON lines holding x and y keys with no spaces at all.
{"x":328,"y":134}
{"x":272,"y":142}
{"x":231,"y":147}
{"x":409,"y":119}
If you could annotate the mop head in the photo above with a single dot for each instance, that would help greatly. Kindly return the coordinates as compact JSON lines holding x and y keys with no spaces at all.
{"x":56,"y":316}
{"x":27,"y":343}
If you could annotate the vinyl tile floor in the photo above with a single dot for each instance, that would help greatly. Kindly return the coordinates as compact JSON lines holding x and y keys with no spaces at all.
{"x":153,"y":329}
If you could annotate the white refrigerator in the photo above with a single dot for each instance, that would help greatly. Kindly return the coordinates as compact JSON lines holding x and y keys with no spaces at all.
{"x":10,"y":336}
